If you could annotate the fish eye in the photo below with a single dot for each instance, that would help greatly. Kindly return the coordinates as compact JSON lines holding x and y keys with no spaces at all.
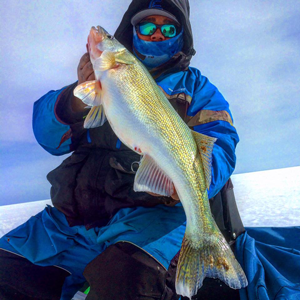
{"x":110,"y":36}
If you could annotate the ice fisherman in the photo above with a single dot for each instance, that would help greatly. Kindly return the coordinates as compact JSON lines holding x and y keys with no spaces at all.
{"x":99,"y":232}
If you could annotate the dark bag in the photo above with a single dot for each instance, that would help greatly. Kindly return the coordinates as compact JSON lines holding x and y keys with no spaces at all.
{"x":225,"y":212}
{"x":91,"y":185}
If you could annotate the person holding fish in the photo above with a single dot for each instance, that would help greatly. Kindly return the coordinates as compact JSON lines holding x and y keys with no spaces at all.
{"x":153,"y":147}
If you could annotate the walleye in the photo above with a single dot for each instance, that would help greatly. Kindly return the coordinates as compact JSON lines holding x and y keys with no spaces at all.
{"x":125,"y":94}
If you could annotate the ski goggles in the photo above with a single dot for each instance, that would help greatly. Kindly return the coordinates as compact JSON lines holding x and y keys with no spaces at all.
{"x":167,"y":30}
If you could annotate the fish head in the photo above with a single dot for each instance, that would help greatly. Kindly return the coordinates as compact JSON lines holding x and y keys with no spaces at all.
{"x":100,"y":40}
{"x":106,"y":52}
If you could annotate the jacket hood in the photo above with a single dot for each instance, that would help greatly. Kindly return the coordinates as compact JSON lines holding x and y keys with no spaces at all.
{"x":181,"y":10}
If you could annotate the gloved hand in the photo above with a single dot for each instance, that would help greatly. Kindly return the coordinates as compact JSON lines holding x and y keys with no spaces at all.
{"x":85,"y":73}
{"x":85,"y":70}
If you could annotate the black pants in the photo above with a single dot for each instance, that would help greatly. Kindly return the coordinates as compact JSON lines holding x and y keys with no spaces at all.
{"x":125,"y":272}
{"x":121,"y":272}
{"x":21,"y":279}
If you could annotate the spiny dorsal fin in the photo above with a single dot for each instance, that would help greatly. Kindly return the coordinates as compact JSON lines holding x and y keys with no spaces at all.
{"x":95,"y":118}
{"x":124,"y":57}
{"x":150,"y":178}
{"x":205,"y":146}
{"x":89,"y":92}
{"x":105,"y":62}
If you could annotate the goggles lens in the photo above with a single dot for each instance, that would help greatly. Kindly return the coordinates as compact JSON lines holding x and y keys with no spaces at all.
{"x":168,"y":30}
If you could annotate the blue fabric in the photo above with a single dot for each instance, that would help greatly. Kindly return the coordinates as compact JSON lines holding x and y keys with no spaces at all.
{"x":118,"y":144}
{"x":155,"y":4}
{"x":88,"y":136}
{"x":270,"y":258}
{"x":223,"y":155}
{"x":46,"y":239}
{"x":48,"y":130}
{"x":205,"y":96}
{"x":157,"y":53}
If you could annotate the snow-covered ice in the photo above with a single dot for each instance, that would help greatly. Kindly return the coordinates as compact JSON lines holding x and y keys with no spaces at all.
{"x":14,"y":215}
{"x":265,"y":199}
{"x":269,"y":198}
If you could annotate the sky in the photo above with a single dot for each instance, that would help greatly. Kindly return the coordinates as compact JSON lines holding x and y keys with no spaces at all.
{"x":250,"y":49}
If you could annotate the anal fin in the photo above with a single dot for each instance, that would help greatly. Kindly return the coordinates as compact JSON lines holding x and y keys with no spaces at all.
{"x":150,"y":178}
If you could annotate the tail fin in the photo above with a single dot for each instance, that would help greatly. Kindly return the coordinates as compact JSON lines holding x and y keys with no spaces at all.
{"x":212,"y":258}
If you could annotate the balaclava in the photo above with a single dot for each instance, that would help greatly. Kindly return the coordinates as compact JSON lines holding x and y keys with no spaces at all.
{"x":154,"y":54}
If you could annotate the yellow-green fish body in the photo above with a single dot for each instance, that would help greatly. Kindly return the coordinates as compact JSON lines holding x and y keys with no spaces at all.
{"x":144,"y":120}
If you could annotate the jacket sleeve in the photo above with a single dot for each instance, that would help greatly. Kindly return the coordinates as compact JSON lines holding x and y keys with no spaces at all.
{"x":56,"y":127}
{"x":210,"y":115}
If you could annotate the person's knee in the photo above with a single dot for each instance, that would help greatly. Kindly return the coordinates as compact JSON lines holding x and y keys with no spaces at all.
{"x":124,"y":271}
{"x":18,"y":276}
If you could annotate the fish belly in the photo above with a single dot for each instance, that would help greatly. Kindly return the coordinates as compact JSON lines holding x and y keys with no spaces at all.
{"x":128,"y":122}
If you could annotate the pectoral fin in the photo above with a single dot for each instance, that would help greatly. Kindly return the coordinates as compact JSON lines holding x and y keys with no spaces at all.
{"x":150,"y":178}
{"x":205,"y":146}
{"x":105,"y":62}
{"x":95,"y":118}
{"x":109,"y":60}
{"x":89,"y":92}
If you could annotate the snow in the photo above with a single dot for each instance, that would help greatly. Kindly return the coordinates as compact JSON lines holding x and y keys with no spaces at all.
{"x":269,"y":198}
{"x":265,"y":199}
{"x":14,"y":215}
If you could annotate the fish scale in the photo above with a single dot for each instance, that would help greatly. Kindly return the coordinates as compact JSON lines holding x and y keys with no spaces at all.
{"x":146,"y":111}
{"x":145,"y":121}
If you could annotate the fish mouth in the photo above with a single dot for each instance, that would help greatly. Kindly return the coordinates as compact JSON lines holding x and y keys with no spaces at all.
{"x":96,"y":36}
{"x":98,"y":33}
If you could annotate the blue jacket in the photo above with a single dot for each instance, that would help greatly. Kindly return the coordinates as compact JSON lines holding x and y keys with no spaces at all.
{"x":207,"y":113}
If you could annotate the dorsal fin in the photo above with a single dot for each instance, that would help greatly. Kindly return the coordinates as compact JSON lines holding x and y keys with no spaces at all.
{"x":124,"y":57}
{"x":205,"y":146}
